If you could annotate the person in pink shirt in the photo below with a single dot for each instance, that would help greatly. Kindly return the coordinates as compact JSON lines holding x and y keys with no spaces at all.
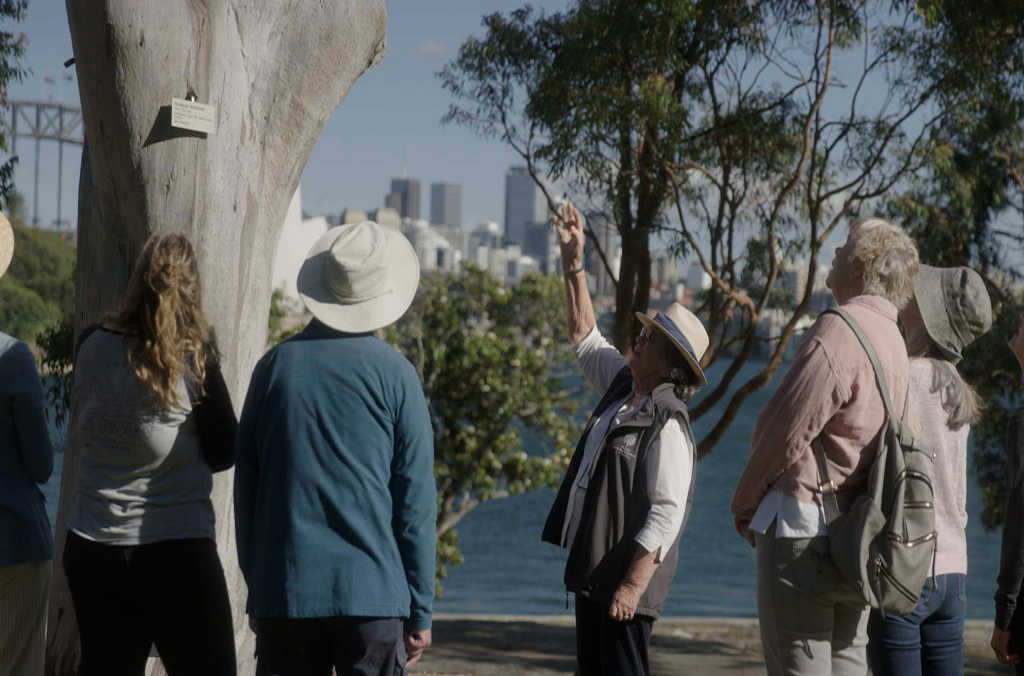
{"x":812,"y":621}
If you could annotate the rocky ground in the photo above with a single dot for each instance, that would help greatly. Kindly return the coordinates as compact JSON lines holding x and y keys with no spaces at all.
{"x":530,"y":644}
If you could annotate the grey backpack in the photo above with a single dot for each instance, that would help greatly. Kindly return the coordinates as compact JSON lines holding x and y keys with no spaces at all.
{"x":885,"y":543}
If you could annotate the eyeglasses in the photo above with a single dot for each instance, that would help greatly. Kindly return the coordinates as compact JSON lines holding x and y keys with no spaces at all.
{"x":646,"y":336}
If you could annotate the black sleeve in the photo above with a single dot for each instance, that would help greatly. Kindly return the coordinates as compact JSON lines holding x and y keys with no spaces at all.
{"x":215,"y":418}
{"x":1011,"y":558}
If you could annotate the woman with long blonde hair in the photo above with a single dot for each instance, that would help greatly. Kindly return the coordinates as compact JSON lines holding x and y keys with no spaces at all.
{"x":151,"y":420}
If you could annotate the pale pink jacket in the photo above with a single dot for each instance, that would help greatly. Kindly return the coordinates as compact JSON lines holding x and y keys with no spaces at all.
{"x":829,"y":390}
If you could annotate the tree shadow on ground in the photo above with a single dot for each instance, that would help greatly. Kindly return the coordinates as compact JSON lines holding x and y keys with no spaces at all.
{"x":672,"y":654}
{"x":507,"y":645}
{"x":483,"y":647}
{"x":975,"y":664}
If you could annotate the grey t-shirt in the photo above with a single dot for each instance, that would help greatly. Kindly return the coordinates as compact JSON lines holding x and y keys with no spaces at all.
{"x":141,"y":475}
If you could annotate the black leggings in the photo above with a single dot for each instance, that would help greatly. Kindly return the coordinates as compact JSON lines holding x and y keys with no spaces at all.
{"x":170,"y":593}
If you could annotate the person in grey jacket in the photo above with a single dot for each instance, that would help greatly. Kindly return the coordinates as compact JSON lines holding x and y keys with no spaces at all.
{"x":628,"y":490}
{"x":1008,"y":633}
{"x":26,"y":540}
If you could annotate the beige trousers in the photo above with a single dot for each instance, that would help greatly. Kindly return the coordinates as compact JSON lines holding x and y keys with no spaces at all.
{"x":812,"y":622}
{"x":24,"y":597}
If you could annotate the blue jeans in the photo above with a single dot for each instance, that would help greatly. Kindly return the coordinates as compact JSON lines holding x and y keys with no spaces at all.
{"x":928,"y":640}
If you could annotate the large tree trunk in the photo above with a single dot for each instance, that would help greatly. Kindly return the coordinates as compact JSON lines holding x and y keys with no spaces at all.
{"x":275,"y":70}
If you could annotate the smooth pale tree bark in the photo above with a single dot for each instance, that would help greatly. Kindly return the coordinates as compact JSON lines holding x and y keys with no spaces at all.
{"x":275,"y":70}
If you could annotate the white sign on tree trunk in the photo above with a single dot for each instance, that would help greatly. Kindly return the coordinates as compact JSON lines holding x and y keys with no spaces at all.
{"x":193,"y":115}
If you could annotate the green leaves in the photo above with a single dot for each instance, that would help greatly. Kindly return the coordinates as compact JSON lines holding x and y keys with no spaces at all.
{"x":12,"y":48}
{"x":38,"y":288}
{"x":493,"y":360}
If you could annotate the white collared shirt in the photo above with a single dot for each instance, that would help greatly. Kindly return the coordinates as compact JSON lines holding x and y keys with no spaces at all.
{"x":793,"y":519}
{"x":668,"y":473}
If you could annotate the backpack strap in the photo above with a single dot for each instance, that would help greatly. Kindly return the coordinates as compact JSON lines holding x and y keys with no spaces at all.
{"x":826,"y":486}
{"x":872,"y":357}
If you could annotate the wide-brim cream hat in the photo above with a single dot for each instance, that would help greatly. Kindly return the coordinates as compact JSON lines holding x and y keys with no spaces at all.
{"x":359,"y":277}
{"x":6,"y":244}
{"x":685,"y":331}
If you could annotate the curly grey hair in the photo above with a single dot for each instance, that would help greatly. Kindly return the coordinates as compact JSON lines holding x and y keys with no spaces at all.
{"x":684,"y":381}
{"x":889,"y":258}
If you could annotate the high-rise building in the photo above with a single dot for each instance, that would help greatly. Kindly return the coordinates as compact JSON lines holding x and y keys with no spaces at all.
{"x":446,"y":204}
{"x":408,"y":202}
{"x":393,"y":200}
{"x":540,"y":241}
{"x":608,"y":237}
{"x":524,"y":205}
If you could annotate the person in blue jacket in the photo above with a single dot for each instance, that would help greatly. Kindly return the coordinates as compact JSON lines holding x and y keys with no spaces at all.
{"x":335,"y":502}
{"x":26,"y":540}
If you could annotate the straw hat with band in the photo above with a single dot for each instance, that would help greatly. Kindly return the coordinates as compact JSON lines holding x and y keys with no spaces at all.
{"x":6,"y":244}
{"x":955,"y":307}
{"x":685,"y":331}
{"x":359,"y":277}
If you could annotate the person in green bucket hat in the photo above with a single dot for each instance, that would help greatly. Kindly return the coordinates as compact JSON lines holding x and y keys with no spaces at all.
{"x":949,"y":311}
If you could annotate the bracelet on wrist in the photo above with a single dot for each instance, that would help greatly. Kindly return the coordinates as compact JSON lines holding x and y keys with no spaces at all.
{"x":574,"y":271}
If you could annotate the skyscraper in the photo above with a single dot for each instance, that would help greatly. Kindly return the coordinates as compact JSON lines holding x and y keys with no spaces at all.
{"x":393,"y":200}
{"x":446,"y":204}
{"x":524,"y":205}
{"x":408,"y":190}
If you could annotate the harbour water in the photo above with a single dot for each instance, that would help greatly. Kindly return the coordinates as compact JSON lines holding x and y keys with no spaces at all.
{"x":508,"y":570}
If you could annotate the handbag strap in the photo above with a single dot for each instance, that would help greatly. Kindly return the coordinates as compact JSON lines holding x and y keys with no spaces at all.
{"x":826,"y":486}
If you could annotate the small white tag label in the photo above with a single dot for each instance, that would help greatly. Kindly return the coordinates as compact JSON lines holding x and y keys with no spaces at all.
{"x":193,"y":116}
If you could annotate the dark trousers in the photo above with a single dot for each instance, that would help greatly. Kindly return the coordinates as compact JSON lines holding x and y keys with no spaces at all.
{"x":607,"y":646}
{"x":929,"y":639}
{"x":169,"y":593}
{"x":311,"y":646}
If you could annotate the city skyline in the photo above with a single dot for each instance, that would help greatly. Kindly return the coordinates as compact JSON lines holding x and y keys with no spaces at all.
{"x":388,"y":126}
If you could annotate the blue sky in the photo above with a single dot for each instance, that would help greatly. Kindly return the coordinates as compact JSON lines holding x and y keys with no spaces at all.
{"x":388,"y":123}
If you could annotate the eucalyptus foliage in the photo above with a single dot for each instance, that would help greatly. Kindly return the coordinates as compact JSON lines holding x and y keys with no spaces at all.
{"x":597,"y":96}
{"x":967,"y":206}
{"x":12,"y":48}
{"x":494,"y":361}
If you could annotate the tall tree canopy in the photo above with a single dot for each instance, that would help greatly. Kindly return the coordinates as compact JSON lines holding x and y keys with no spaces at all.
{"x":597,"y":96}
{"x":12,"y":48}
{"x":967,"y":205}
{"x":741,"y":133}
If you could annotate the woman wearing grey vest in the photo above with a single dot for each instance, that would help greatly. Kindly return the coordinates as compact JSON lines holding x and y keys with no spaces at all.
{"x":150,"y":414}
{"x":629,"y":486}
{"x":26,"y":540}
{"x":950,"y":309}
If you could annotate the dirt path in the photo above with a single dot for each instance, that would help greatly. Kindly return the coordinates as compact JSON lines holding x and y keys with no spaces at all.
{"x":487,"y":645}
